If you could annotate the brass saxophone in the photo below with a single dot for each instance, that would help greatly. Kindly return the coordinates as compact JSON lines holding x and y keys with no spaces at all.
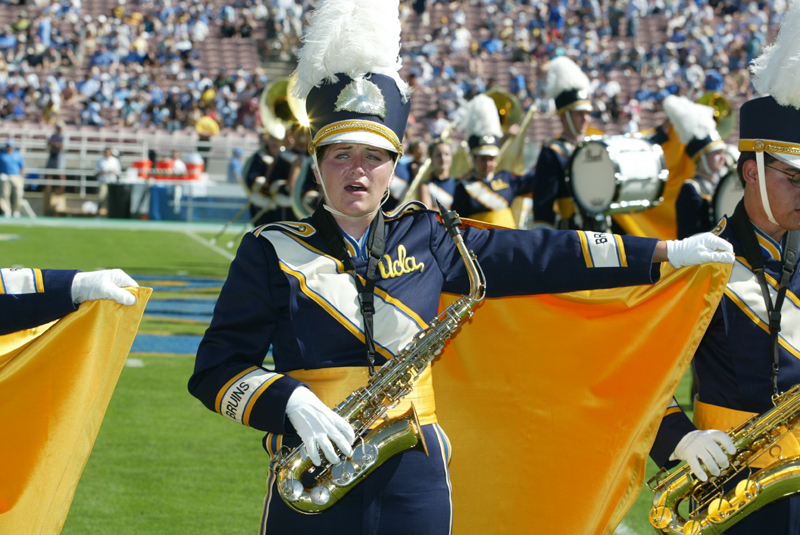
{"x":309,"y":489}
{"x":710,"y":509}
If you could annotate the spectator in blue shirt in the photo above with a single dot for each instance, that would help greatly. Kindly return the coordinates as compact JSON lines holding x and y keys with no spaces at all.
{"x":12,"y":173}
{"x":103,"y":57}
{"x":43,"y":30}
{"x":235,"y":167}
{"x":7,"y":39}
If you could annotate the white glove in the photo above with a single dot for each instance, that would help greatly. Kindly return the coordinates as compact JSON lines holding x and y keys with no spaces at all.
{"x":704,"y":447}
{"x":317,"y":425}
{"x":105,"y":284}
{"x":699,"y":249}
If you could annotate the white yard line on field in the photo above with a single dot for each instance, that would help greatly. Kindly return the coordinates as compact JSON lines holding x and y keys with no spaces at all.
{"x":203,"y":241}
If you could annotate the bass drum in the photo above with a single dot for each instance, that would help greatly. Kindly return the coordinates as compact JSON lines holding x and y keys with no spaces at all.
{"x":727,"y":195}
{"x":617,"y":174}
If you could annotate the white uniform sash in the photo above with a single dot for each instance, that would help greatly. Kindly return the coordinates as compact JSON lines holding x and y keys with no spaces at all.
{"x":440,"y":195}
{"x":481,"y":193}
{"x":323,"y":279}
{"x":744,"y":290}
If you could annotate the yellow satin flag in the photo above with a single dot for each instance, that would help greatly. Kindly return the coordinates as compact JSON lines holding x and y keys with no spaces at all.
{"x":661,"y":221}
{"x":553,"y":402}
{"x":55,"y":384}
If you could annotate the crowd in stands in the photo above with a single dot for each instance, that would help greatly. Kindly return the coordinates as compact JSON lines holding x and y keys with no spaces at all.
{"x":143,"y":61}
{"x":708,"y":44}
{"x":140,"y":61}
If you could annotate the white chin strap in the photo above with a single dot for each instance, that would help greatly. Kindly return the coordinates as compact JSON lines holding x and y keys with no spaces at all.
{"x":572,"y":132}
{"x":762,"y":186}
{"x":334,"y":211}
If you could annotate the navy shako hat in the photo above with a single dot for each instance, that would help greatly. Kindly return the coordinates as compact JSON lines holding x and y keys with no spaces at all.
{"x":697,"y":147}
{"x":765,"y":125}
{"x":348,"y":72}
{"x":368,"y":109}
{"x":484,"y":145}
{"x":573,"y":100}
{"x":568,"y":85}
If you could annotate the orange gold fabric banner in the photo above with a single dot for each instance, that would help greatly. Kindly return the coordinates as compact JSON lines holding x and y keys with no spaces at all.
{"x":55,"y":384}
{"x":553,"y":402}
{"x":661,"y":221}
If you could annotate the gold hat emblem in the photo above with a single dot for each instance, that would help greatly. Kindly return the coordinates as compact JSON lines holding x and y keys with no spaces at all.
{"x":362,"y":96}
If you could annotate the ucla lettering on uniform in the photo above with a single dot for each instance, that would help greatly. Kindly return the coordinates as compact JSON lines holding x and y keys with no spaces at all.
{"x":600,"y":238}
{"x":499,"y":184}
{"x":403,"y":265}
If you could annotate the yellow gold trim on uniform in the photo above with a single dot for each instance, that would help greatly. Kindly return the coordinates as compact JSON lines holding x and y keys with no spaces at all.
{"x":714,"y":145}
{"x":755,"y":319}
{"x":339,"y":265}
{"x":672,"y":410}
{"x":574,"y":105}
{"x":356,"y":126}
{"x":484,"y":147}
{"x":489,"y":190}
{"x":768,"y":145}
{"x":771,"y":249}
{"x":257,"y":231}
{"x":335,"y":314}
{"x":623,"y":258}
{"x":255,"y":396}
{"x":303,"y":230}
{"x":771,"y":280}
{"x":585,"y":247}
{"x":38,"y":280}
{"x":333,"y":385}
{"x":225,"y":388}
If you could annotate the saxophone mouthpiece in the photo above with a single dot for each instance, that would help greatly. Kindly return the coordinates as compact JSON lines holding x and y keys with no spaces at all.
{"x":451,"y":220}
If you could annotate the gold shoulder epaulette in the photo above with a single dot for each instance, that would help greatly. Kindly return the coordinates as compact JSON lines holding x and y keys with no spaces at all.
{"x":405,"y":209}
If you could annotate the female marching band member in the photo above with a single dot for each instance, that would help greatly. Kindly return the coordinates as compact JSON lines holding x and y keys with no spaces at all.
{"x":441,"y":187}
{"x":299,"y":288}
{"x":483,"y":193}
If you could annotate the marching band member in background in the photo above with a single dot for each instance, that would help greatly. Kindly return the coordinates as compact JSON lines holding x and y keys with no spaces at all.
{"x":297,"y":287}
{"x":483,"y":194}
{"x":32,"y":297}
{"x":569,"y":86}
{"x":698,"y":131}
{"x":742,"y":361}
{"x":441,"y":187}
{"x":272,"y":163}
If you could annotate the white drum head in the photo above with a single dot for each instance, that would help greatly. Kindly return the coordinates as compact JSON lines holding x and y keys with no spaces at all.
{"x":728,"y":194}
{"x":593,"y":177}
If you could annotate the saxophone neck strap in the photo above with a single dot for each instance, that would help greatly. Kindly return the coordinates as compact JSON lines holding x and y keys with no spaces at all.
{"x":376,"y":245}
{"x":746,"y":235}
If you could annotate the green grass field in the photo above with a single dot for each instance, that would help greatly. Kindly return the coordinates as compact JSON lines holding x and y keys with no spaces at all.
{"x":163,"y":463}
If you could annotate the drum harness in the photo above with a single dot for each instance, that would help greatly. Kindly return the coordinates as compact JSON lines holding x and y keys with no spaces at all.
{"x":376,"y":244}
{"x":743,"y":229}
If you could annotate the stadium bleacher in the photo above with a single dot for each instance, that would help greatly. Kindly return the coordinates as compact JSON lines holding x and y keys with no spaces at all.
{"x":453,"y":48}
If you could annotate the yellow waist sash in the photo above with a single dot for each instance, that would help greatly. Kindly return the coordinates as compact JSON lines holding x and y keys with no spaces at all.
{"x":708,"y":416}
{"x":503,"y":218}
{"x":333,"y":385}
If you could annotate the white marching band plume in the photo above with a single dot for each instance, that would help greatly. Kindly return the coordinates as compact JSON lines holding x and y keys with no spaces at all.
{"x":481,"y":118}
{"x":689,"y":119}
{"x":351,"y":37}
{"x":776,"y":72}
{"x":563,"y":74}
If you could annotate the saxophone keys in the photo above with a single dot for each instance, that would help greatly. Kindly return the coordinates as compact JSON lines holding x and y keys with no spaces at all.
{"x":320,"y":495}
{"x":291,"y":489}
{"x":692,"y":527}
{"x":343,"y":474}
{"x":660,"y":517}
{"x":746,"y":490}
{"x":719,"y":509}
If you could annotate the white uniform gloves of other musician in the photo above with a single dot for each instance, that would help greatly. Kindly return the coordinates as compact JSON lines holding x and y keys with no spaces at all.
{"x":699,"y":249}
{"x":317,"y":426}
{"x":704,"y":447}
{"x":105,"y":284}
